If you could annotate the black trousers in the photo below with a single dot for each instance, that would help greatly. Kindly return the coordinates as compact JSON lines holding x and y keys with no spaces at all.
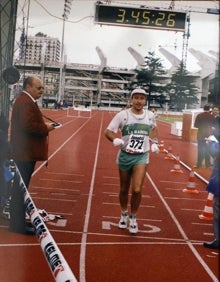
{"x":203,"y":154}
{"x":17,"y":208}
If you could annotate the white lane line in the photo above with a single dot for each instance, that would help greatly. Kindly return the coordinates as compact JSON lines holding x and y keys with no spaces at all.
{"x":208,"y":234}
{"x":60,"y":180}
{"x":111,"y":177}
{"x":188,"y":242}
{"x":110,"y":193}
{"x":58,"y":149}
{"x":52,"y":199}
{"x":54,"y":188}
{"x":181,"y":189}
{"x":185,"y":199}
{"x":191,"y":210}
{"x":173,"y":182}
{"x":82,"y":273}
{"x":116,"y":194}
{"x":69,"y":174}
{"x":139,"y":219}
{"x":117,"y":204}
{"x":202,"y":223}
{"x":127,"y":235}
{"x":104,"y":243}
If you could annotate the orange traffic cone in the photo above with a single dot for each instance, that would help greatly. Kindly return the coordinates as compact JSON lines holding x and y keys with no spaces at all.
{"x":207,"y":213}
{"x":169,"y":155}
{"x":176,"y":168}
{"x":191,"y":184}
{"x":161,"y":147}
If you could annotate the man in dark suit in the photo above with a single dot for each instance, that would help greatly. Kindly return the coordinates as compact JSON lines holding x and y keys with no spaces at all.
{"x":29,"y":142}
{"x":204,"y":122}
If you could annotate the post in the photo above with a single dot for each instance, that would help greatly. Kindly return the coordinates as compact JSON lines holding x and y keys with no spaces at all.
{"x":66,"y":12}
{"x":60,"y":92}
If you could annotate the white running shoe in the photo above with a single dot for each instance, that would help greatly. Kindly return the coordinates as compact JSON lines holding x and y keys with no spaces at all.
{"x":133,"y":226}
{"x":123,"y":223}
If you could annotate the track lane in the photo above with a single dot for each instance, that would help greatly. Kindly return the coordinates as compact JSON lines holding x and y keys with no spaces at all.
{"x":113,"y":225}
{"x":64,"y":187}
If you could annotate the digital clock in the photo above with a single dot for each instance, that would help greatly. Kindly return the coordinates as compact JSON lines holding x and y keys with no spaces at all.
{"x":140,"y":17}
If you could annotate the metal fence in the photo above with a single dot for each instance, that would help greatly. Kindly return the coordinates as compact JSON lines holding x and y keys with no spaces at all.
{"x":8,"y":11}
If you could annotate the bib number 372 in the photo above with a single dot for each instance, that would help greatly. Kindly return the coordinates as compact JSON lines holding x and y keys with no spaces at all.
{"x":135,"y":144}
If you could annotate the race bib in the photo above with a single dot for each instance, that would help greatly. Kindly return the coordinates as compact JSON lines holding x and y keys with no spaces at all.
{"x":136,"y":144}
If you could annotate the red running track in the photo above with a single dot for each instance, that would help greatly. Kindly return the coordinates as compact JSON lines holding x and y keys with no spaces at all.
{"x":81,"y":184}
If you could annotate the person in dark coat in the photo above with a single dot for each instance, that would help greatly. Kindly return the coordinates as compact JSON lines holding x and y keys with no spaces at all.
{"x":29,"y":143}
{"x":204,"y":122}
{"x":214,"y":186}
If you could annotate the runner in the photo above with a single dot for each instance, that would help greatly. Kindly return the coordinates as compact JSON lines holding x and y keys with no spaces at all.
{"x":136,"y":125}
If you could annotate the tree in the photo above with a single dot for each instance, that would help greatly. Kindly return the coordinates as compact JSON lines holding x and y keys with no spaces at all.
{"x":182,"y":89}
{"x":149,"y":77}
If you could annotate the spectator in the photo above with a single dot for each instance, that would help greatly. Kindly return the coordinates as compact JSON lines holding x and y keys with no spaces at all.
{"x":29,"y":141}
{"x":204,"y":122}
{"x":4,"y":153}
{"x":215,"y":111}
{"x":213,"y":186}
{"x":154,"y":110}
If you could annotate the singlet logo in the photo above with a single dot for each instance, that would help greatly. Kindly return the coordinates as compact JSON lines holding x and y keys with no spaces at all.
{"x":139,"y":129}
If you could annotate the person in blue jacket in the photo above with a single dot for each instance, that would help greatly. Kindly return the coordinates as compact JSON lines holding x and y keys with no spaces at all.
{"x":4,"y":153}
{"x":213,"y":186}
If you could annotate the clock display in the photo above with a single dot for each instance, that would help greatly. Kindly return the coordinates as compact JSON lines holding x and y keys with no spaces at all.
{"x":140,"y":17}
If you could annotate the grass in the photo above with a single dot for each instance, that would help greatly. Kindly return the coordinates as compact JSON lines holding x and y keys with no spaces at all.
{"x":169,"y":118}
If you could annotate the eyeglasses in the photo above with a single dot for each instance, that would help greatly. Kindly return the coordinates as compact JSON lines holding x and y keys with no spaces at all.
{"x":40,"y":87}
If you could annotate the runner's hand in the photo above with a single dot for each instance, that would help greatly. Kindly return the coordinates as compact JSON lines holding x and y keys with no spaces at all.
{"x":154,"y":148}
{"x":118,"y":142}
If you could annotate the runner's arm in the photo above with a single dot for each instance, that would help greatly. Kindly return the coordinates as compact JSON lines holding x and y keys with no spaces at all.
{"x":110,"y":135}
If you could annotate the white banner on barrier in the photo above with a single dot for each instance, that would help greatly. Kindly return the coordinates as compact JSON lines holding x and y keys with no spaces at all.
{"x":56,"y":261}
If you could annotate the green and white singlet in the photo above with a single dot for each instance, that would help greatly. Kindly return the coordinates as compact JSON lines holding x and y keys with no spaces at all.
{"x":135,"y":134}
{"x":134,"y":130}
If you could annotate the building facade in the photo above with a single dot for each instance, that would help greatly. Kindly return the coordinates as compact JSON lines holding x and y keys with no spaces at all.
{"x":85,"y":84}
{"x":40,"y":49}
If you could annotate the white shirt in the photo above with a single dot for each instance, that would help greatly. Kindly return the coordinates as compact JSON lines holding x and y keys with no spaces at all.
{"x":30,"y":96}
{"x":134,"y":129}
